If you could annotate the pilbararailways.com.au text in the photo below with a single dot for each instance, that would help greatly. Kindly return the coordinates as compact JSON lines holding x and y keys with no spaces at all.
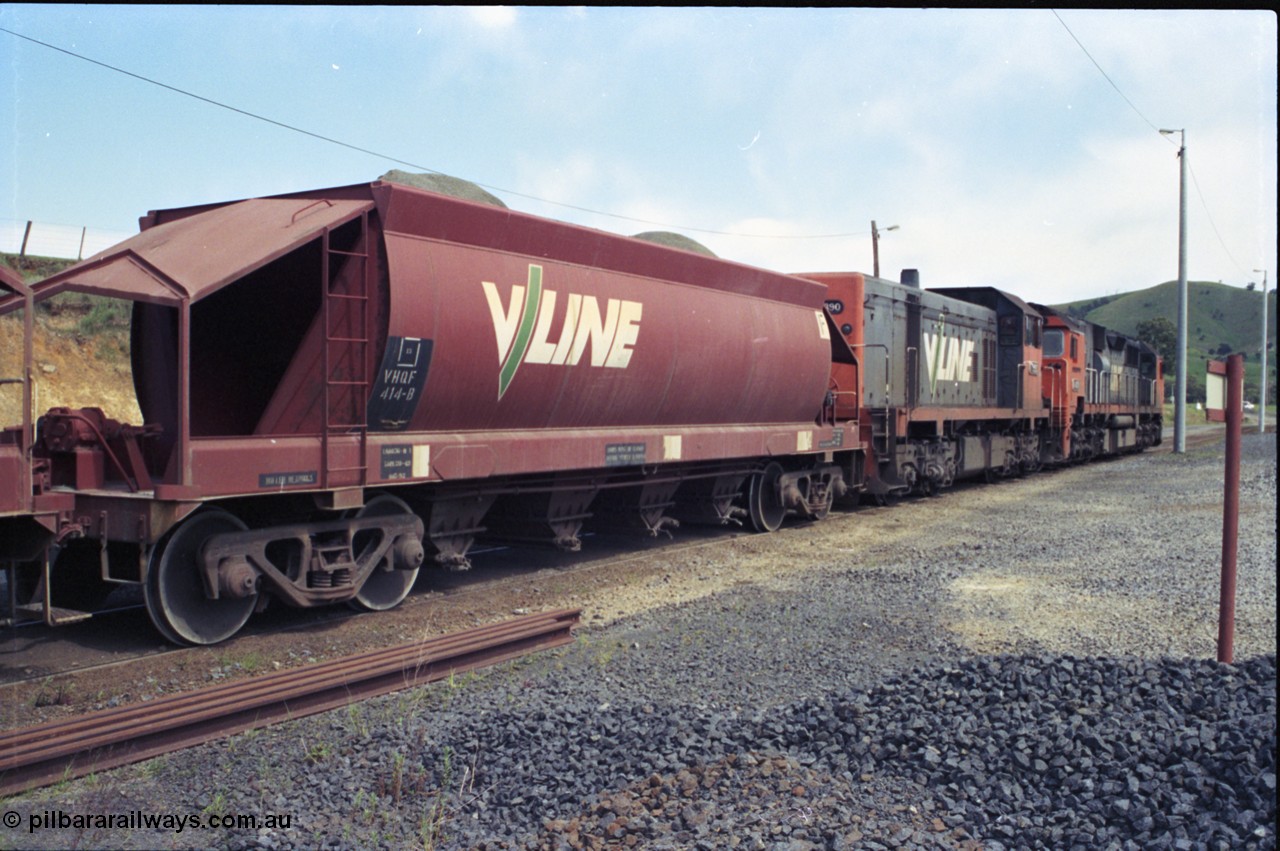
{"x":142,"y":820}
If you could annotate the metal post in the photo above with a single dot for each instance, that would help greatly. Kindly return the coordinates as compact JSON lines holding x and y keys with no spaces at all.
{"x":1230,"y":509}
{"x":1180,"y":403}
{"x":1262,"y":356}
{"x":1180,"y":394}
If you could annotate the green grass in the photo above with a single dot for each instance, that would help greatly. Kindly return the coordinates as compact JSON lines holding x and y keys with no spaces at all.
{"x":32,"y":269}
{"x":1221,"y":320}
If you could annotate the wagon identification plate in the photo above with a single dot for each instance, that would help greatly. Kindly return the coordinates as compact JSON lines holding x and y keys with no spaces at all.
{"x":623,"y":454}
{"x":401,"y":375}
{"x":405,"y":461}
{"x":287,"y":480}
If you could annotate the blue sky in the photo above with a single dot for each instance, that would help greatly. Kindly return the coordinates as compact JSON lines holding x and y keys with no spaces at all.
{"x":991,"y":139}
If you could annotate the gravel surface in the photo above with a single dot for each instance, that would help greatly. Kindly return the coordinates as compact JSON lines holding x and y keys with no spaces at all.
{"x":1025,"y":665}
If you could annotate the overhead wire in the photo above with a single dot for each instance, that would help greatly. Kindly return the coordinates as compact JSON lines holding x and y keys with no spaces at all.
{"x":1101,"y":71}
{"x":389,"y":158}
{"x":1195,"y":180}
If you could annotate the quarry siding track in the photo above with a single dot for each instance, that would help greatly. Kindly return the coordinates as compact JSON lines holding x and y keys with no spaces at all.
{"x":36,"y":756}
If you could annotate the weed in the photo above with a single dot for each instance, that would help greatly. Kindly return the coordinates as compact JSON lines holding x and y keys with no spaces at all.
{"x":397,"y":777}
{"x":431,"y":829}
{"x":431,"y":825}
{"x":604,"y":655}
{"x":51,"y":694}
{"x":359,"y":724}
{"x":366,"y":803}
{"x":218,"y":806}
{"x":248,"y":662}
{"x":318,"y":753}
{"x":410,"y":704}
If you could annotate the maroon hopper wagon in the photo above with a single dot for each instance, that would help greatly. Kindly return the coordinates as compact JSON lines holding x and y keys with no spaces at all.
{"x":338,"y":385}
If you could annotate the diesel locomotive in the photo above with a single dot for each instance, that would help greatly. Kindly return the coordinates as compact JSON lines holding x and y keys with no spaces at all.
{"x":342,"y":386}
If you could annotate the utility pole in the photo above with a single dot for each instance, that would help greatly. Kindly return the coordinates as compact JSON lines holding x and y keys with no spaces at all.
{"x":1180,"y":394}
{"x":875,"y":247}
{"x":1262,"y":382}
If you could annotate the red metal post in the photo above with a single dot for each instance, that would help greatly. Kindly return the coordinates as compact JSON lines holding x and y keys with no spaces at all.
{"x":1230,"y":509}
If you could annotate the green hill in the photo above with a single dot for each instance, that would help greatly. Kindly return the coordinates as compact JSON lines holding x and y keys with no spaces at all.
{"x":1221,"y":320}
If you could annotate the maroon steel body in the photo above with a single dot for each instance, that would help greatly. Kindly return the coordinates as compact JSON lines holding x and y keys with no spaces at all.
{"x":471,"y":340}
{"x":491,"y":371}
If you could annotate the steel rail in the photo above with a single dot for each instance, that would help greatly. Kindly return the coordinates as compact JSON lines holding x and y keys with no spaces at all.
{"x":48,"y":753}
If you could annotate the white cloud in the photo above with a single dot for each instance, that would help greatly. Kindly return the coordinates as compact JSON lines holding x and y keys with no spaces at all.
{"x":493,"y":17}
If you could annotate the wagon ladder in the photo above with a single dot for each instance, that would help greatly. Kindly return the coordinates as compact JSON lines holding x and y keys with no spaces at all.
{"x":347,"y":317}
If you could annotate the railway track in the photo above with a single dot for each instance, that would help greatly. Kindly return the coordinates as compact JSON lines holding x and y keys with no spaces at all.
{"x":36,"y":756}
{"x":38,"y":654}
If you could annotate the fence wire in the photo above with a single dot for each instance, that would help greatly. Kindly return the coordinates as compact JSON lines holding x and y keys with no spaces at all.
{"x":66,"y":242}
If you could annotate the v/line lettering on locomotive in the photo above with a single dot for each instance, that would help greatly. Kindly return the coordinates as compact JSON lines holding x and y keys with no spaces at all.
{"x":522,"y":328}
{"x":948,"y":359}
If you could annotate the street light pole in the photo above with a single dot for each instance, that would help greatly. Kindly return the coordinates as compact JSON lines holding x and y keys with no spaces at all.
{"x":1262,"y":382}
{"x":1180,"y":394}
{"x":875,"y":247}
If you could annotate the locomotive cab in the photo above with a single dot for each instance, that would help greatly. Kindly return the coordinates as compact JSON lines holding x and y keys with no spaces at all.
{"x":1066,"y":379}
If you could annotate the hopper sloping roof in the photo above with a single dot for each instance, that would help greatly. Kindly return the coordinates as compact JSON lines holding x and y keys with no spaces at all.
{"x":191,"y":258}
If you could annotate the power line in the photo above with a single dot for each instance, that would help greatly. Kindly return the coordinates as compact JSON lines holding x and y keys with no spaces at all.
{"x":390,"y":158}
{"x":1194,"y":179}
{"x":1200,"y":194}
{"x":1101,"y":71}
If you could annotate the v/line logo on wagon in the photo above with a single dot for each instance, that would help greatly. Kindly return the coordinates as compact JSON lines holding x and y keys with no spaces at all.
{"x":522,"y":328}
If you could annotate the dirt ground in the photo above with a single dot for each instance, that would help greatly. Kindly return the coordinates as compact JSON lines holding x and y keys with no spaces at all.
{"x":68,"y":370}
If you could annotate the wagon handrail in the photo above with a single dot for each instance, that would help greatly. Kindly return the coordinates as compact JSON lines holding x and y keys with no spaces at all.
{"x":315,"y":203}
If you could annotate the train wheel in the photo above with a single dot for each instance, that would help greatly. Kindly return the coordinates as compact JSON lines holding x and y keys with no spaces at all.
{"x":174,"y":591}
{"x":384,"y":589}
{"x":763,"y":505}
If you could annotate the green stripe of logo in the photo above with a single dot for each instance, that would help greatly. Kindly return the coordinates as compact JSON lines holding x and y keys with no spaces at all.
{"x":532,"y":297}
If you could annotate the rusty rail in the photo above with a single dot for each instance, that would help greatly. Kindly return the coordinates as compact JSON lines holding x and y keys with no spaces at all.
{"x":48,"y":753}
